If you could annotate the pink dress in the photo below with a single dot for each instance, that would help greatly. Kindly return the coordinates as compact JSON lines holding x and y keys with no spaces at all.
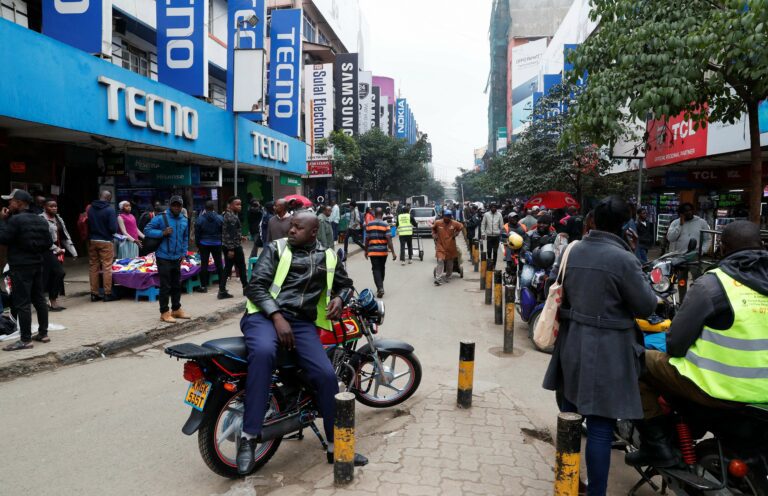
{"x":130,"y":225}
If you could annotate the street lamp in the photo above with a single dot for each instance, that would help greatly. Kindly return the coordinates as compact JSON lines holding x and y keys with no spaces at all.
{"x":251,"y":21}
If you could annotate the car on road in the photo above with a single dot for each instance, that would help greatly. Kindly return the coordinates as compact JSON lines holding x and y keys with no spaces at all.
{"x":425,"y":218}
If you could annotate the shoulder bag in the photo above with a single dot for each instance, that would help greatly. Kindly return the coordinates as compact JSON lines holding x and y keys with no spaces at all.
{"x":545,"y":332}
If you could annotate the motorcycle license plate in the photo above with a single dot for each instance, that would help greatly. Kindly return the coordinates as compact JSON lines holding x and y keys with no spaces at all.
{"x":197,"y":394}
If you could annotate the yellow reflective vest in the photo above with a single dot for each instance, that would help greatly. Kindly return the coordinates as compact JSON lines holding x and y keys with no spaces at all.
{"x":404,"y":226}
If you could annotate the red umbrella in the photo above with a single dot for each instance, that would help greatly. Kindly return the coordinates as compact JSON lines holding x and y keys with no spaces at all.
{"x":305,"y":202}
{"x":552,"y":199}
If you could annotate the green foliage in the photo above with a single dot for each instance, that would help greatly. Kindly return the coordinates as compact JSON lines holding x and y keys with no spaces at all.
{"x":381,"y":165}
{"x":476,"y":184}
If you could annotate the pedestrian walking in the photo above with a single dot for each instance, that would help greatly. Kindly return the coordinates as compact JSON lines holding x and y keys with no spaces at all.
{"x":335,"y":219}
{"x":445,"y":233}
{"x":232,"y":241}
{"x":490,"y":229}
{"x":208,"y":232}
{"x":325,"y":229}
{"x":127,"y":225}
{"x":172,"y":227}
{"x":644,"y":235}
{"x":102,"y":227}
{"x":255,"y":215}
{"x":280,"y":223}
{"x":53,"y":259}
{"x":595,"y":364}
{"x":354,"y":227}
{"x":26,"y":237}
{"x":378,"y":241}
{"x":405,"y":225}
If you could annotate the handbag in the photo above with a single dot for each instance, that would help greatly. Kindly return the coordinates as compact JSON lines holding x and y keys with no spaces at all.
{"x":152,"y":244}
{"x":548,"y":325}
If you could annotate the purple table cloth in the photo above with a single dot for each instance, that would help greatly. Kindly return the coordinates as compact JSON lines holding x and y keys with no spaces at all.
{"x":145,"y":280}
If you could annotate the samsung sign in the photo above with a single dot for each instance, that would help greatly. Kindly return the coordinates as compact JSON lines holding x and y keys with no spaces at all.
{"x":345,"y":80}
{"x":285,"y":71}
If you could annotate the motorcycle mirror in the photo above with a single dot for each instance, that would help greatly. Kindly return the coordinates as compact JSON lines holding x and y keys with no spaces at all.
{"x":692,"y":244}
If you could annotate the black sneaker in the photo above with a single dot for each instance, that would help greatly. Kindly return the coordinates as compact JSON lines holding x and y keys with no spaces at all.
{"x":19,"y":345}
{"x":42,"y":338}
{"x":200,"y":289}
{"x":111,"y":297}
{"x":95,"y":297}
{"x":224,"y":296}
{"x":380,"y":293}
{"x":245,"y":459}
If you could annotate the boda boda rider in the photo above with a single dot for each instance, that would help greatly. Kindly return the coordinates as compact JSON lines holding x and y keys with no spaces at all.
{"x":297,"y":286}
{"x":541,"y":234}
{"x":717,"y":346}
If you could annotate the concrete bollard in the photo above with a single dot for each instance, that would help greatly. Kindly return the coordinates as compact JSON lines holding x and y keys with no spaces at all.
{"x":488,"y":286}
{"x":466,"y":374}
{"x":344,"y":439}
{"x":567,"y":458}
{"x":509,"y":319}
{"x":483,"y":269}
{"x":498,"y":308}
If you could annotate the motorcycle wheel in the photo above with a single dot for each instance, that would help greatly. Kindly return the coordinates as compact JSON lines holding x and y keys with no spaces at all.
{"x":219,"y":435}
{"x":755,"y":483}
{"x":405,"y":370}
{"x":531,"y":326}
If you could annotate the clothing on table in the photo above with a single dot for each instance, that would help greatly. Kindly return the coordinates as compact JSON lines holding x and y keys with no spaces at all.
{"x":206,"y":251}
{"x":278,"y":228}
{"x":169,"y":272}
{"x":27,"y":282}
{"x":325,"y":232}
{"x":680,"y":234}
{"x":101,"y":254}
{"x":238,"y":262}
{"x":262,"y":344}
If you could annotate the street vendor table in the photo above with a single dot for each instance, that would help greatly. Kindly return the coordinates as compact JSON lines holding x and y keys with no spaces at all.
{"x":144,"y":280}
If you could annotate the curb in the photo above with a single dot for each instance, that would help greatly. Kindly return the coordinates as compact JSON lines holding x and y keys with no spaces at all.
{"x":77,"y":354}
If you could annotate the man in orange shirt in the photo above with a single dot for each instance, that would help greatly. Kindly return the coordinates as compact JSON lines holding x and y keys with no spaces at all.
{"x":378,"y":241}
{"x":444,"y":233}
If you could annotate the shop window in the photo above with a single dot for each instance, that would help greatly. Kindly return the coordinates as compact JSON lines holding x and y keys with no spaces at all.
{"x":309,"y":30}
{"x":136,"y":60}
{"x":14,"y":11}
{"x":217,"y":93}
{"x":321,"y":39}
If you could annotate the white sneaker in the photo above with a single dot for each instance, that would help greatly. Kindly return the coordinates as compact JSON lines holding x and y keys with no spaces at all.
{"x":402,"y":263}
{"x":410,"y":261}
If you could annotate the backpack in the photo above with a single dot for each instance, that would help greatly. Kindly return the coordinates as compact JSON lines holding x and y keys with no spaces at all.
{"x":152,"y":244}
{"x":82,"y":225}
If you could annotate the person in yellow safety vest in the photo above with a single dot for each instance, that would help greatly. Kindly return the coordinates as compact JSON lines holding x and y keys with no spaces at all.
{"x":717,"y":346}
{"x":297,"y":286}
{"x":405,"y":226}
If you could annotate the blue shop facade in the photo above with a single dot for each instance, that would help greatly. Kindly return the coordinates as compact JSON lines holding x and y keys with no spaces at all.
{"x":72,"y":123}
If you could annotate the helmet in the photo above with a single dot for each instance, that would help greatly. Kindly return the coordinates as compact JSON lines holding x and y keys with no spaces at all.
{"x":515,"y":241}
{"x":448,"y":213}
{"x":544,"y":256}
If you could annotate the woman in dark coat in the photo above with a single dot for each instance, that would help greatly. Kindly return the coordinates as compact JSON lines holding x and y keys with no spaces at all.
{"x":596,"y":360}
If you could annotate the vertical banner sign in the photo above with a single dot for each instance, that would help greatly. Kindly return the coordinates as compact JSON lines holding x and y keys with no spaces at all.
{"x":182,"y":41}
{"x":285,"y":63}
{"x":401,"y":114}
{"x":82,"y":24}
{"x":384,"y":114}
{"x":345,"y":81}
{"x":250,"y":37}
{"x":376,"y":107}
{"x":318,"y":103}
{"x":391,"y":118}
{"x":365,"y":99}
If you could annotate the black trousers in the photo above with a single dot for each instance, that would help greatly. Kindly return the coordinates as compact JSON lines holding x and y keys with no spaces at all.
{"x":53,"y":275}
{"x":238,"y":261}
{"x":26,"y":292}
{"x":169,"y":272}
{"x":205,"y":276}
{"x":378,"y":267}
{"x":492,"y":248}
{"x":356,"y":235}
{"x":406,"y":241}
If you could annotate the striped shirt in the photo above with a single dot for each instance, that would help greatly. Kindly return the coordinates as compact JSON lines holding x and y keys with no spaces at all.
{"x":377,"y":234}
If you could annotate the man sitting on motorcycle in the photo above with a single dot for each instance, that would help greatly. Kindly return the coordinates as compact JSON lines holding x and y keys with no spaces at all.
{"x":717,"y":346}
{"x":542,"y":234}
{"x":512,"y":226}
{"x":296,"y":287}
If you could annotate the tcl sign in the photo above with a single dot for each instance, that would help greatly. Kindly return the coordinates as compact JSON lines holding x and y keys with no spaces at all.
{"x":674,"y":140}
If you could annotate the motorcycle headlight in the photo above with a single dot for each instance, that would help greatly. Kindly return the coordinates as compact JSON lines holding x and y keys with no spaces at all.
{"x":380,"y":305}
{"x":659,"y":282}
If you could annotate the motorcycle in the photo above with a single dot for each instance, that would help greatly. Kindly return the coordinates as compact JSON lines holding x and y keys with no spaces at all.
{"x":531,"y":287}
{"x":381,"y":373}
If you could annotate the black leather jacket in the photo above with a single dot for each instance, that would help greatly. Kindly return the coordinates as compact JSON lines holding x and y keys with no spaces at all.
{"x":303,"y":286}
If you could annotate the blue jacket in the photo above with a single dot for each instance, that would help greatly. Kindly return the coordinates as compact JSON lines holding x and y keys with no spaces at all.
{"x":102,"y":221}
{"x":208,"y":229}
{"x":175,"y":246}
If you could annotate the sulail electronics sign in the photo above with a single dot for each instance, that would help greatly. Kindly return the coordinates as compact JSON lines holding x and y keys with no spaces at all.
{"x":147,"y":110}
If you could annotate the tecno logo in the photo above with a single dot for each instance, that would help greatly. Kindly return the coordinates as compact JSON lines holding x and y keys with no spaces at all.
{"x":141,"y":110}
{"x":285,"y":75}
{"x":270,"y":148}
{"x":180,"y":51}
{"x":71,"y":6}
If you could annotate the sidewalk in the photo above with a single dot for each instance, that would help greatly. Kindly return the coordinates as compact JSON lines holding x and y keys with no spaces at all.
{"x":96,"y":329}
{"x":436,"y":448}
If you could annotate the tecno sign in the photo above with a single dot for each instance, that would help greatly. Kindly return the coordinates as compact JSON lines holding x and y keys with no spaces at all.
{"x":76,"y":7}
{"x":270,"y":148}
{"x":151,"y":111}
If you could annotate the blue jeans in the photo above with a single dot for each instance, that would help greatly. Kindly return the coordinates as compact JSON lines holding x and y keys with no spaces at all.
{"x":599,"y":442}
{"x":642,"y":254}
{"x":261,"y":341}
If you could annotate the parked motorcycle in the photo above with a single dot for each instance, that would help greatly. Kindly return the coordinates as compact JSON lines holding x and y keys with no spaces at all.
{"x":381,"y":373}
{"x":531,"y":287}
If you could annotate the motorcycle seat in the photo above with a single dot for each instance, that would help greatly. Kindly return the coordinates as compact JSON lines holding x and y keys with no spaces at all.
{"x":235,"y":347}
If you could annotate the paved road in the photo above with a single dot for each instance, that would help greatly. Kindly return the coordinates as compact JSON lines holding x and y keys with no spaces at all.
{"x":113,"y":426}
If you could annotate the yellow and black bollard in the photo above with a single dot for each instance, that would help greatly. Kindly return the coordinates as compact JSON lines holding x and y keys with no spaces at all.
{"x":475,"y":256}
{"x":488,"y":285}
{"x":344,"y":439}
{"x":568,"y":446}
{"x":498,"y":309}
{"x":483,"y":269}
{"x":466,"y":374}
{"x":509,"y":318}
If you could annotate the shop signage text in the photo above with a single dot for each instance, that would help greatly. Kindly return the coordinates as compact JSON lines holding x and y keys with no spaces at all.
{"x":78,"y":23}
{"x":345,"y":78}
{"x":181,"y":45}
{"x":320,"y":168}
{"x":318,"y":94}
{"x":400,"y":131}
{"x":674,"y":140}
{"x":270,"y":148}
{"x":289,"y":180}
{"x":141,"y":110}
{"x":18,"y":167}
{"x":285,"y":73}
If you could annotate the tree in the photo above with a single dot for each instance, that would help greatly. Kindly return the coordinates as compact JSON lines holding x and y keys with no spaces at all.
{"x":707,"y":59}
{"x":475,"y":184}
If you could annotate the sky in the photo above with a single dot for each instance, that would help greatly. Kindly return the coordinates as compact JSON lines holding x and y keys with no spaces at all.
{"x":438,"y":54}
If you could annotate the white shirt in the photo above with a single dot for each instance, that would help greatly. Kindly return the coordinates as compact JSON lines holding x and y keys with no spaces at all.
{"x":335,"y":217}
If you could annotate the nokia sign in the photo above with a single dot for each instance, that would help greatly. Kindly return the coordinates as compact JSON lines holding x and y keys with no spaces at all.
{"x":285,"y":71}
{"x":401,"y":116}
{"x":345,"y":76}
